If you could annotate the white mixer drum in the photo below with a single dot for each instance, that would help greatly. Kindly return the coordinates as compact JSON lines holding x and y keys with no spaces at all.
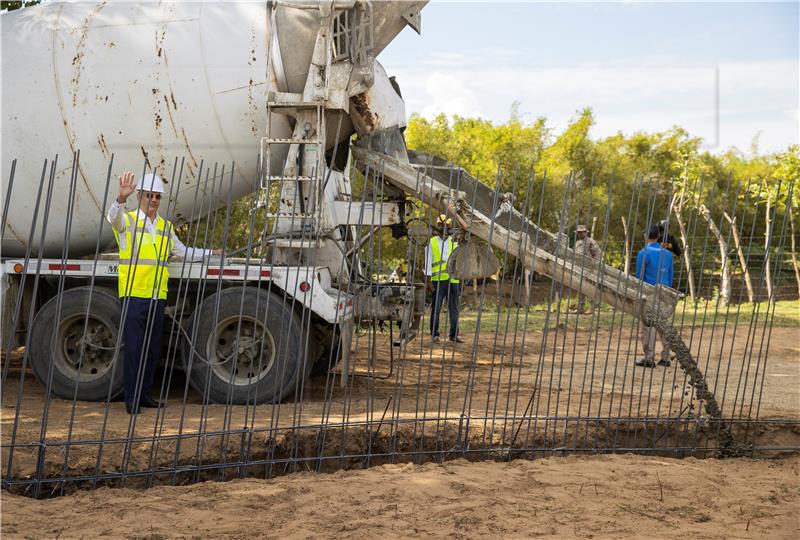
{"x":185,"y":80}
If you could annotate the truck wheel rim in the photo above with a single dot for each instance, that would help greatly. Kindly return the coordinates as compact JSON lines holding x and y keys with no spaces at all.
{"x":85,"y":348}
{"x":241,"y":350}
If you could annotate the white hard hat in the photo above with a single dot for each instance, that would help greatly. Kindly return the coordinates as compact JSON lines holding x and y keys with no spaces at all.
{"x":150,"y":182}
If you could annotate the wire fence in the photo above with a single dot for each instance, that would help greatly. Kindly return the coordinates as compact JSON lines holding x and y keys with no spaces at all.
{"x":289,"y":354}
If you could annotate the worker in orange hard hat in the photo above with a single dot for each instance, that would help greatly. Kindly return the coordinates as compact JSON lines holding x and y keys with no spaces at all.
{"x":145,"y":240}
{"x":440,"y":283}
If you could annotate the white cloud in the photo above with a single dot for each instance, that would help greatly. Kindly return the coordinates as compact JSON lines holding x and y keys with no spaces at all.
{"x":447,"y":93}
{"x":726,"y":104}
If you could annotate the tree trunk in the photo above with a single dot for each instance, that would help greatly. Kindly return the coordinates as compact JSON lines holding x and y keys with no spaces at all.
{"x":627,"y":250}
{"x":594,"y":222}
{"x":526,"y":275}
{"x":687,"y":258}
{"x":794,"y":248}
{"x":740,"y":253}
{"x":725,"y":285}
{"x":767,"y":241}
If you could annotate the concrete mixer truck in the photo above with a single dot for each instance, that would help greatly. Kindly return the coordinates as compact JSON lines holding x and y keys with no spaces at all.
{"x":278,"y":89}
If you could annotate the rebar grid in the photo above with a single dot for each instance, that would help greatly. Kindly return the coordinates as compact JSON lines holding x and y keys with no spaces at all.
{"x":533,"y":376}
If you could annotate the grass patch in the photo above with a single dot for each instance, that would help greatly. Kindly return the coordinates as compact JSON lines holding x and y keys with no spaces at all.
{"x":786,"y":314}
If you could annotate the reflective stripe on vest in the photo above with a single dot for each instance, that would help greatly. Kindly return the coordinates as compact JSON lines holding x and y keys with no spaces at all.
{"x":438,"y":266}
{"x":140,"y":262}
{"x":141,"y":229}
{"x":142,"y":268}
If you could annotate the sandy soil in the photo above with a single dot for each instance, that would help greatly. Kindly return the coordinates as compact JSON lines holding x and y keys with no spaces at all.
{"x":582,"y":379}
{"x":619,"y":496}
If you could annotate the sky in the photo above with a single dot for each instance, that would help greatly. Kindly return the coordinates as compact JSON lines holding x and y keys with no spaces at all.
{"x":725,"y":71}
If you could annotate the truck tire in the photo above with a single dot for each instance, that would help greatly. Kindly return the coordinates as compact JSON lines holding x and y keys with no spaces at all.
{"x":326,"y":351}
{"x":261,"y":364}
{"x":82,"y":368}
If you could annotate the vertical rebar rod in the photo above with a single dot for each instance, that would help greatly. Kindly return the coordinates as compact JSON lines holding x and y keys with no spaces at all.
{"x":40,"y":462}
{"x":92,"y":279}
{"x":32,"y":314}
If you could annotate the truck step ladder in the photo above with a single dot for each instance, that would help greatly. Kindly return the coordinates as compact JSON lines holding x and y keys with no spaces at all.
{"x":309,"y":136}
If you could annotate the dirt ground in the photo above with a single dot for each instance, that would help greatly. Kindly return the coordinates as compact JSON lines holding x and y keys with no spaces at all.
{"x":578,"y":389}
{"x":619,"y":496}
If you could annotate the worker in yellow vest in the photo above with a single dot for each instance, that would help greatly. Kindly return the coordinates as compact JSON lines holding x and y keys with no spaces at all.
{"x":440,"y":284}
{"x":145,"y":240}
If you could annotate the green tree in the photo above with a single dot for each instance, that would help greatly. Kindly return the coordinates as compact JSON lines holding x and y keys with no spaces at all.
{"x":11,"y":6}
{"x":663,"y":172}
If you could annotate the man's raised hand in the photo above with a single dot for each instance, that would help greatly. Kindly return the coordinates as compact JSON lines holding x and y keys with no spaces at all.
{"x":127,"y":185}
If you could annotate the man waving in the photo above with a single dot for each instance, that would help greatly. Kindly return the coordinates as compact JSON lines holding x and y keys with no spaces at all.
{"x":146,"y":241}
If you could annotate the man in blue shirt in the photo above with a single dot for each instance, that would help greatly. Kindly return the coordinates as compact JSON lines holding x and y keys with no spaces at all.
{"x":654,"y":266}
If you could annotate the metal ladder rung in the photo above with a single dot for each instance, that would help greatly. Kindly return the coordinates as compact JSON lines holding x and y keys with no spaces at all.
{"x":265,"y":181}
{"x":296,"y":104}
{"x":289,"y":214}
{"x":291,"y":178}
{"x":291,"y":141}
{"x":297,"y":243}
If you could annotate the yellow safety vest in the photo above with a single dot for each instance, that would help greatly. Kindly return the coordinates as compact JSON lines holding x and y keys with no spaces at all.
{"x":438,"y":266}
{"x":142,"y":262}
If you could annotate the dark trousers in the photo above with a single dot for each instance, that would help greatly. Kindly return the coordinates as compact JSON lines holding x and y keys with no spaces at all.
{"x":144,"y":324}
{"x":451,"y":291}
